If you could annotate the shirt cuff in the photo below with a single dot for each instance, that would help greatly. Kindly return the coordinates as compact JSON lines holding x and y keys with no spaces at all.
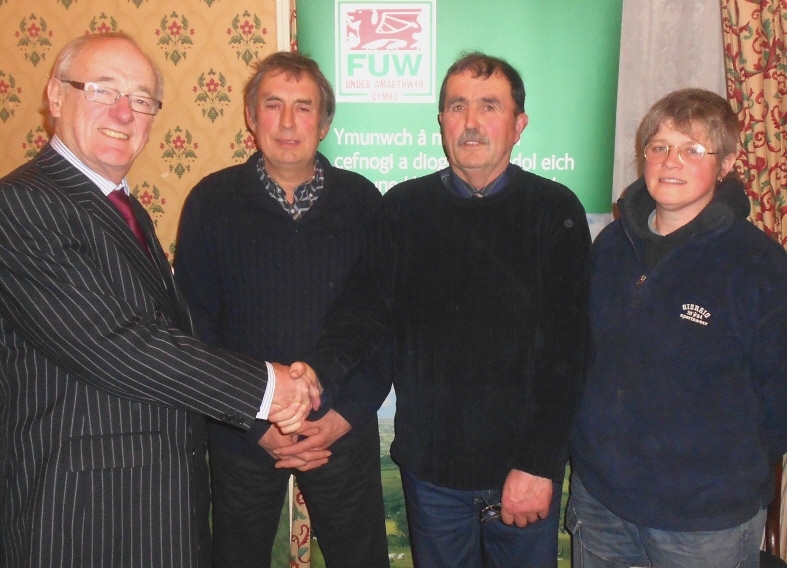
{"x":265,"y":407}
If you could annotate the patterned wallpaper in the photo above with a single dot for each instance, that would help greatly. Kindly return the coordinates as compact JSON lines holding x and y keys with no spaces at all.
{"x":203,"y":48}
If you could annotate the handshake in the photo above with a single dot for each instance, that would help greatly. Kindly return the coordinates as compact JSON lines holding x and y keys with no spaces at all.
{"x":293,"y":441}
{"x":297,"y":393}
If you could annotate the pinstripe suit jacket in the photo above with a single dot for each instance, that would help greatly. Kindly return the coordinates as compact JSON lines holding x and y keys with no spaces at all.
{"x":102,"y":387}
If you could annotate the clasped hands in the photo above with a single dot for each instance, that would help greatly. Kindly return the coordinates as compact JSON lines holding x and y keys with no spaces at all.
{"x":296,"y":394}
{"x":288,"y":416}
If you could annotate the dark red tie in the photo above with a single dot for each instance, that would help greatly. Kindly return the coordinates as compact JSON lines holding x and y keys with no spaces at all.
{"x":122,"y":203}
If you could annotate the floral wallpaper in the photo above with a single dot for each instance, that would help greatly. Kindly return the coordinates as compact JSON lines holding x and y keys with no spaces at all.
{"x":203,"y":47}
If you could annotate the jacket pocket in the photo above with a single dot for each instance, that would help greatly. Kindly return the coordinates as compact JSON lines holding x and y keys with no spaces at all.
{"x":114,"y":451}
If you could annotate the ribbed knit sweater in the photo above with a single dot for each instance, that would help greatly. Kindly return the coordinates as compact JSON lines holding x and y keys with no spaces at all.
{"x":259,"y":283}
{"x":486,"y":300}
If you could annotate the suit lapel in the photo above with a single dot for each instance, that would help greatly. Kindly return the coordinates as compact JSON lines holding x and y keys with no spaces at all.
{"x":177,"y":303}
{"x":157,"y":278}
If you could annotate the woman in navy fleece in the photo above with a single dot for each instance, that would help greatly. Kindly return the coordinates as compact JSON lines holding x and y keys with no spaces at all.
{"x":685,"y":401}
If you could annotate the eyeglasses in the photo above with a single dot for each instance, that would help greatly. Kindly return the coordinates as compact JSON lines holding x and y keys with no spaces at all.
{"x":490,"y":512}
{"x":106,"y":96}
{"x":657,"y":152}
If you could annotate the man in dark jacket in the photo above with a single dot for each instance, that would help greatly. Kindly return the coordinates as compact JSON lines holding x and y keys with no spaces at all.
{"x":478,"y":272}
{"x":263,"y":250}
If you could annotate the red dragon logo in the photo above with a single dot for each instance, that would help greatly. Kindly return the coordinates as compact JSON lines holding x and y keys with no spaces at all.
{"x":387,"y":28}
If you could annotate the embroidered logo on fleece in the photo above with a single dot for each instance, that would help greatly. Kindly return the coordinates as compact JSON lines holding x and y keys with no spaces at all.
{"x":695,"y":313}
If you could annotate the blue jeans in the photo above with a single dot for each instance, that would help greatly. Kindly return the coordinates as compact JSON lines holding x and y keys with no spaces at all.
{"x":446,"y":531}
{"x":604,"y":540}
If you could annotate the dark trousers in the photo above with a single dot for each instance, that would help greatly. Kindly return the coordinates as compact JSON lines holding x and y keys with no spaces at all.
{"x":344,"y":498}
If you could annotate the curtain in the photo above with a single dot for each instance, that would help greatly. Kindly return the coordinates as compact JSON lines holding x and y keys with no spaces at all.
{"x":754,"y":41}
{"x":754,"y":37}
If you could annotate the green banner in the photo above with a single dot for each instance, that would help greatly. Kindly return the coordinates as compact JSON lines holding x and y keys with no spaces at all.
{"x":386,"y":60}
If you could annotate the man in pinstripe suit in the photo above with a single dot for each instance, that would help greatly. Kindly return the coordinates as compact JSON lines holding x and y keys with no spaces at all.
{"x":102,"y":386}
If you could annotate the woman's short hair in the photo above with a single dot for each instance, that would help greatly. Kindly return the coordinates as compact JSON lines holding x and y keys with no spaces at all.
{"x":695,"y":113}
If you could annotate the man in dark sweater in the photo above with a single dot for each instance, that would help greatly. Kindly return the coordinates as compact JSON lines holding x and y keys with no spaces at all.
{"x":263,"y":250}
{"x":478,"y":273}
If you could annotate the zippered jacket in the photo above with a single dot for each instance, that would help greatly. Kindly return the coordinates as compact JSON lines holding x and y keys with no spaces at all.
{"x":685,"y":400}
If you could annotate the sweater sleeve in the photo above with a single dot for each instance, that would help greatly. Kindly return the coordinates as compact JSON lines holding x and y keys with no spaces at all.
{"x":358,"y":400}
{"x":559,"y":358}
{"x":360,"y":320}
{"x":367,"y":388}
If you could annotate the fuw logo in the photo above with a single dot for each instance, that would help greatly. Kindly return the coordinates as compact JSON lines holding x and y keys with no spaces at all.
{"x":385,"y":51}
